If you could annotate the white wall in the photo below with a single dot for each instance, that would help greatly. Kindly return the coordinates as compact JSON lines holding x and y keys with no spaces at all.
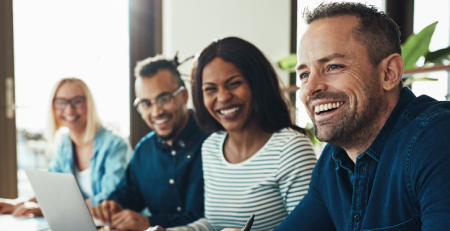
{"x":190,"y":25}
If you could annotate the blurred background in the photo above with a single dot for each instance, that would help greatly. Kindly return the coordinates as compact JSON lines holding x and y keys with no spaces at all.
{"x":100,"y":41}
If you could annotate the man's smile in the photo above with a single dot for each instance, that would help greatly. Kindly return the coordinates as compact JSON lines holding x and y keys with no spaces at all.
{"x":325,"y":110}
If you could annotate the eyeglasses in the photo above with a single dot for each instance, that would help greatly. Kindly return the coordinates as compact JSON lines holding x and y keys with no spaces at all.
{"x":163,"y":101}
{"x":76,"y":102}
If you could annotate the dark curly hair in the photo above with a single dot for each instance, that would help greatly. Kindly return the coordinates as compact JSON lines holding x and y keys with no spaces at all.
{"x":376,"y":31}
{"x":150,"y":66}
{"x":269,"y":106}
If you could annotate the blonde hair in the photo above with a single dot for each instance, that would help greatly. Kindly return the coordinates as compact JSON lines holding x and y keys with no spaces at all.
{"x":93,"y":121}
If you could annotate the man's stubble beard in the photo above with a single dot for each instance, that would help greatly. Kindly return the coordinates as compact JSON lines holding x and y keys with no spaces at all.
{"x":176,"y":125}
{"x":354,"y":130}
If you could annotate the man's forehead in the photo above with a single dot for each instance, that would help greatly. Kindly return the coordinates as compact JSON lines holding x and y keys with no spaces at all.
{"x":152,"y":87}
{"x":328,"y":36}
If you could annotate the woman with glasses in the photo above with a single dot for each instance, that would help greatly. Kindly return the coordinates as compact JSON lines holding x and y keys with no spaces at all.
{"x":96,"y":156}
{"x":257,"y":160}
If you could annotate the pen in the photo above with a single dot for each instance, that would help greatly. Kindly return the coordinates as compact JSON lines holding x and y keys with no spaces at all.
{"x":249,"y":224}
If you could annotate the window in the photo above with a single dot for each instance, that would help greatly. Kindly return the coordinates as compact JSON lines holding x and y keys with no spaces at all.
{"x":55,"y":39}
{"x":425,"y":13}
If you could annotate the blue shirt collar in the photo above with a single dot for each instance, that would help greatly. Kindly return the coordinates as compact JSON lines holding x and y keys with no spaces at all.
{"x":376,"y":148}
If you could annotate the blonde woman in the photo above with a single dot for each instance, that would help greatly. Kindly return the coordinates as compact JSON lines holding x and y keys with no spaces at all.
{"x":96,"y":157}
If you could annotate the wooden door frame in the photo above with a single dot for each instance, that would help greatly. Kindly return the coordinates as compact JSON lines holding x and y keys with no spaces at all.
{"x":8,"y":146}
{"x":145,"y":20}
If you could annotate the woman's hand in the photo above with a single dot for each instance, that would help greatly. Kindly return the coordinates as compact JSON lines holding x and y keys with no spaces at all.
{"x":230,"y":229}
{"x":6,"y":208}
{"x":27,"y":209}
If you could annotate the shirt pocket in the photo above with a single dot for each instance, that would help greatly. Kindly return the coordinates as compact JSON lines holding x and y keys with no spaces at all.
{"x":412,"y":224}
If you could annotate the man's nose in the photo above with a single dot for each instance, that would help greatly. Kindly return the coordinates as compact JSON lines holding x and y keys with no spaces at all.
{"x":316,"y":83}
{"x":155,"y":110}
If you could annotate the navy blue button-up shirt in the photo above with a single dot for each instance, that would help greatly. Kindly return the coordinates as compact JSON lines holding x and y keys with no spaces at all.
{"x":168,"y":180}
{"x":401,"y":182}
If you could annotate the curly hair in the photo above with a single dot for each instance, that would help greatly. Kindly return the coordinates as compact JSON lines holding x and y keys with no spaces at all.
{"x":150,"y":66}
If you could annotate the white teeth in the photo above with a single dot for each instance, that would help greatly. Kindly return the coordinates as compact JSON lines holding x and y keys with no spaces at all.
{"x":328,"y":106}
{"x":229,"y":111}
{"x":160,"y":121}
{"x":70,"y":118}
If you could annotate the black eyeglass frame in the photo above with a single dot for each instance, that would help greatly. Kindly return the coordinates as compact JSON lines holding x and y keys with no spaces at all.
{"x":68,"y":101}
{"x":137,"y":101}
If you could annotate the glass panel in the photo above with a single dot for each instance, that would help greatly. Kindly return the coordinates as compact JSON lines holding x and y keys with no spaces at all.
{"x":55,"y":39}
{"x":425,"y":13}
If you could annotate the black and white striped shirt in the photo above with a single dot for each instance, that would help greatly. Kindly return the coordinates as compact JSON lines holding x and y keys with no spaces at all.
{"x":270,"y":183}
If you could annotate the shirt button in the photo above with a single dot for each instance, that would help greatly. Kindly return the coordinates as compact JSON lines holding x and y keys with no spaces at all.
{"x":174,"y":152}
{"x":171,"y":181}
{"x":179,"y":209}
{"x":363,"y":168}
{"x":357,"y":217}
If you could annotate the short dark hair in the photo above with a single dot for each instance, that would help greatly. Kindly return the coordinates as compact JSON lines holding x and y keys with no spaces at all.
{"x":376,"y":31}
{"x":268,"y":105}
{"x":150,"y":66}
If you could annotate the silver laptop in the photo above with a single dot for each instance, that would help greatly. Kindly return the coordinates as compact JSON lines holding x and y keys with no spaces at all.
{"x":61,"y":201}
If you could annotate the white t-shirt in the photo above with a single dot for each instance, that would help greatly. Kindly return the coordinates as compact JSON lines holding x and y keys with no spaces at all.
{"x":84,"y":181}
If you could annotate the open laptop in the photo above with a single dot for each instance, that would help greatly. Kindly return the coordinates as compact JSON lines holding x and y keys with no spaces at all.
{"x":61,"y":201}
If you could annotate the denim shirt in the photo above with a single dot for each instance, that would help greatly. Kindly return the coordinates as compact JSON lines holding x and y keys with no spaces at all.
{"x":401,"y":182}
{"x":168,"y":180}
{"x":111,"y":157}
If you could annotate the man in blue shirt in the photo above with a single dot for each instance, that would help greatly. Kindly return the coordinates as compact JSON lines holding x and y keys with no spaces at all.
{"x":165,"y":174}
{"x":386,"y":166}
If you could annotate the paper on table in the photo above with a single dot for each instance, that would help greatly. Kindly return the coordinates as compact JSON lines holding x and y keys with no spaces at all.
{"x":10,"y":223}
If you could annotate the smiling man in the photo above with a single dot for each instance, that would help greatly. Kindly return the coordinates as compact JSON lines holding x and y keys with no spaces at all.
{"x":165,"y":174}
{"x":386,"y":164}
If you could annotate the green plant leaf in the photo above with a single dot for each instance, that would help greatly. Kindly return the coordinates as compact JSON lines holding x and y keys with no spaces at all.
{"x":288,"y":63}
{"x":311,"y":131}
{"x":417,"y":45}
{"x":437,"y":57}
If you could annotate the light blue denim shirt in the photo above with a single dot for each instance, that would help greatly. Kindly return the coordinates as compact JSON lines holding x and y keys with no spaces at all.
{"x":108,"y":165}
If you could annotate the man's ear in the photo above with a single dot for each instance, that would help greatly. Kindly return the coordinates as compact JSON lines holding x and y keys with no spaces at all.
{"x":391,"y":70}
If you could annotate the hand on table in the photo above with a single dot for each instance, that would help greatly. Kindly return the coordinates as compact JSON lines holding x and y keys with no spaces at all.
{"x":130,"y":220}
{"x":122,"y":219}
{"x":6,"y":208}
{"x":27,"y":209}
{"x":104,"y":210}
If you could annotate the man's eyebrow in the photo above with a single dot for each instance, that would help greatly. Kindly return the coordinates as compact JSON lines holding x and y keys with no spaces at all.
{"x":163,"y":94}
{"x":323,"y":60}
{"x":301,"y":66}
{"x":330,"y":57}
{"x":227,"y":81}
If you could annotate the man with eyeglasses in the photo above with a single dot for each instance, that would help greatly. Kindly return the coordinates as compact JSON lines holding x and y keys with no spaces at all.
{"x":165,"y":174}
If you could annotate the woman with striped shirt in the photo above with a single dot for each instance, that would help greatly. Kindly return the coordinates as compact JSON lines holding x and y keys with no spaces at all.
{"x":257,"y":160}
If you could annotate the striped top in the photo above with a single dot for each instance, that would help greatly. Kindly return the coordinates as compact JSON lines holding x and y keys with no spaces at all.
{"x":270,"y":183}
